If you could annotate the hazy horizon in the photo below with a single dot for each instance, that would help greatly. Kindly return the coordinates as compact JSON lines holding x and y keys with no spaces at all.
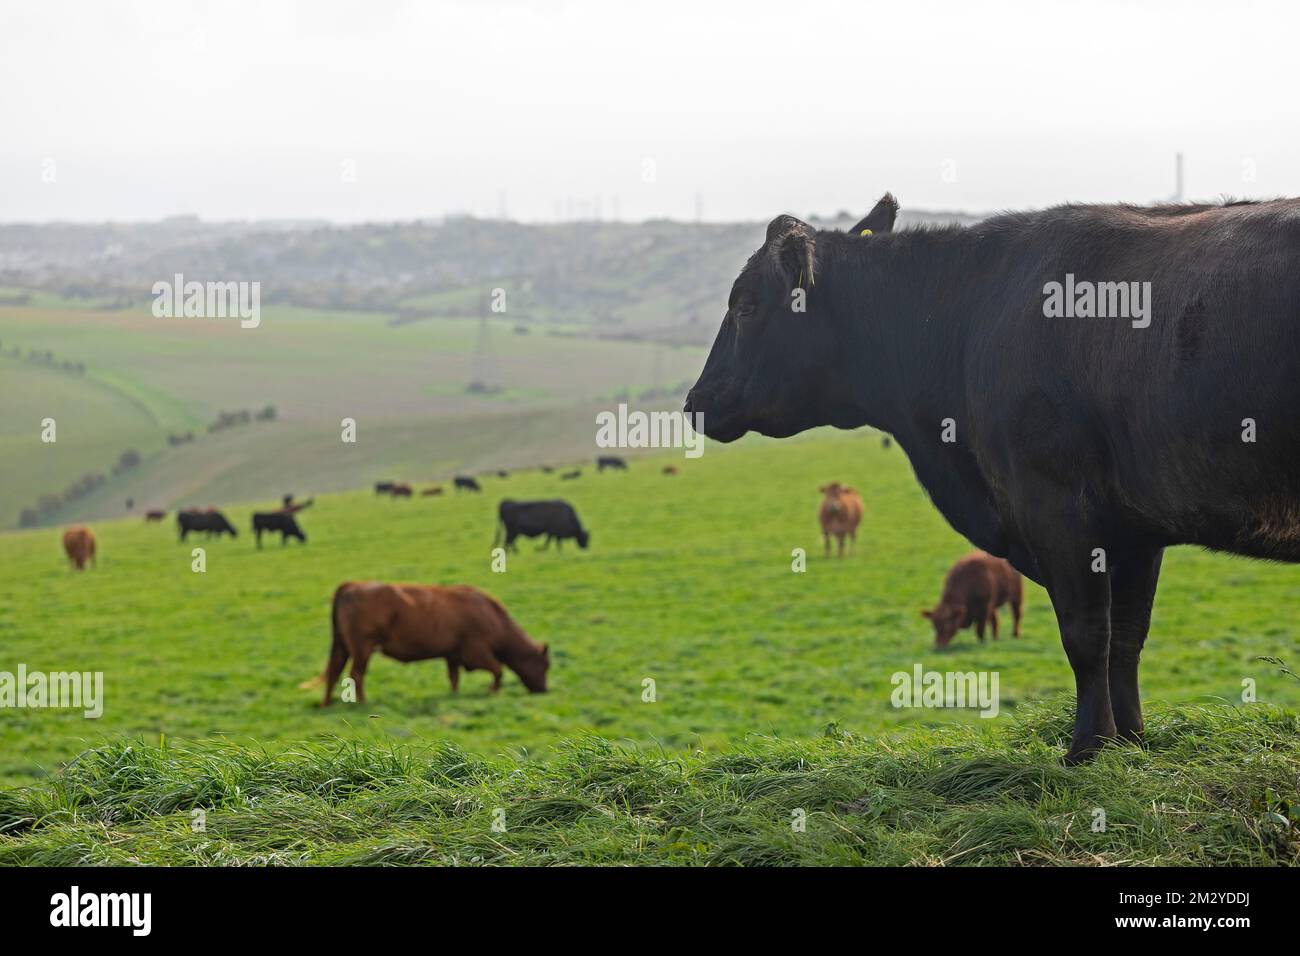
{"x":557,"y":111}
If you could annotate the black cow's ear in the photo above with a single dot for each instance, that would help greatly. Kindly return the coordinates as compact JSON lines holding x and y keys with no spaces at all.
{"x":792,"y":244}
{"x":881,"y":217}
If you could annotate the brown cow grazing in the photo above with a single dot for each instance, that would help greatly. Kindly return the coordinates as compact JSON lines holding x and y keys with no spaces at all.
{"x":670,"y":469}
{"x":973,"y":591}
{"x":154,"y":515}
{"x":79,"y":543}
{"x":401,"y":491}
{"x":414,"y":622}
{"x":429,"y":492}
{"x":841,"y":511}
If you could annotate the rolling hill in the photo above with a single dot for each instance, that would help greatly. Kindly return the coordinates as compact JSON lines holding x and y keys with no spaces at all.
{"x":688,"y":582}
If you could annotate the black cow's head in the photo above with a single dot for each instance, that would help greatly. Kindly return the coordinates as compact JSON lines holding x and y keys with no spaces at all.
{"x":779,"y":364}
{"x":584,"y":538}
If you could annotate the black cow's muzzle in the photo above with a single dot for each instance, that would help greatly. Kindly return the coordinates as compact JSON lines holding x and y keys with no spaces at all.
{"x":713,"y":415}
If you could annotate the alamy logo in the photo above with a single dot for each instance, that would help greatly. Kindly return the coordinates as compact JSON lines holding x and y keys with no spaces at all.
{"x":75,"y":908}
{"x":921,"y":688}
{"x":208,"y":300}
{"x":637,"y":429}
{"x":83,"y":690}
{"x":1098,"y":300}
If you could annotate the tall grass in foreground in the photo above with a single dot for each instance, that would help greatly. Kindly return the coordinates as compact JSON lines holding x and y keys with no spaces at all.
{"x":1213,"y":786}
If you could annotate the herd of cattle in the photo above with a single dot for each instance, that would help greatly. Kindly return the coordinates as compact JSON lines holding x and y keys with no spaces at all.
{"x":471,"y":630}
{"x":212,"y":523}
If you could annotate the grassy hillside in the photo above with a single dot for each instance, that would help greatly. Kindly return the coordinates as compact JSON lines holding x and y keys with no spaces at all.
{"x":1216,"y":787}
{"x":688,"y":583}
{"x":405,"y":386}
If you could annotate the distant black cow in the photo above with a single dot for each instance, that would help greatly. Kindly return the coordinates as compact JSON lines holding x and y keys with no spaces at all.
{"x":610,"y":461}
{"x":210,"y":522}
{"x":384,"y":487}
{"x":462,"y":483}
{"x":281,"y":521}
{"x":503,"y":474}
{"x":570,"y":475}
{"x":1078,"y":448}
{"x":547,"y":469}
{"x":555,"y":518}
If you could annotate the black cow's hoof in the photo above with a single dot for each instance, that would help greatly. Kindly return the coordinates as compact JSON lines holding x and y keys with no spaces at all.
{"x":1076,"y":757}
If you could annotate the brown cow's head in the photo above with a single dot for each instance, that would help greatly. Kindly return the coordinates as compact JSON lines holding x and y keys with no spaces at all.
{"x":780,"y":364}
{"x":832,"y":493}
{"x":947,"y":619}
{"x":532,"y":669}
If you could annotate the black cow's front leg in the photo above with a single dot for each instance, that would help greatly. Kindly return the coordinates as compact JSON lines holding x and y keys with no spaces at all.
{"x":1133,"y":578}
{"x":1081,"y":598}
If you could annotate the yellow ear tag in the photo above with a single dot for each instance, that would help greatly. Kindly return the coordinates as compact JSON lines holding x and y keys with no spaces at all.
{"x":864,"y":233}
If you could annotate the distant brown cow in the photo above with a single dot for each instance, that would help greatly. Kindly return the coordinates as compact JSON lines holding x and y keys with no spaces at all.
{"x":79,"y":542}
{"x":973,"y":591}
{"x":840,"y":513}
{"x":155,"y":515}
{"x":401,"y":491}
{"x":428,"y":492}
{"x":670,"y":469}
{"x":412,"y":622}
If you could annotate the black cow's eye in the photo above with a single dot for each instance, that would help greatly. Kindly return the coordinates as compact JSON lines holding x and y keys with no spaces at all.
{"x":743,"y":310}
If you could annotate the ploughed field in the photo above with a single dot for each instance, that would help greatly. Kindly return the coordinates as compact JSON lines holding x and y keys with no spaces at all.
{"x":688,"y":584}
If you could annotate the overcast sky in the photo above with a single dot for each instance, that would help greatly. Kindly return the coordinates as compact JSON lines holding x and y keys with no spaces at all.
{"x":387,"y":110}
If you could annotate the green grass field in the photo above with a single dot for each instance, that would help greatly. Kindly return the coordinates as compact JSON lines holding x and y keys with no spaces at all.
{"x":688,"y":583}
{"x":1216,"y":786}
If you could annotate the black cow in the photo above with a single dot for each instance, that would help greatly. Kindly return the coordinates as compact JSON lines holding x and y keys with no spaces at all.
{"x":281,"y":521}
{"x":463,"y":483}
{"x":555,"y":518}
{"x":210,"y":522}
{"x":1077,"y":448}
{"x":384,"y":487}
{"x":610,"y":461}
{"x":570,"y":475}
